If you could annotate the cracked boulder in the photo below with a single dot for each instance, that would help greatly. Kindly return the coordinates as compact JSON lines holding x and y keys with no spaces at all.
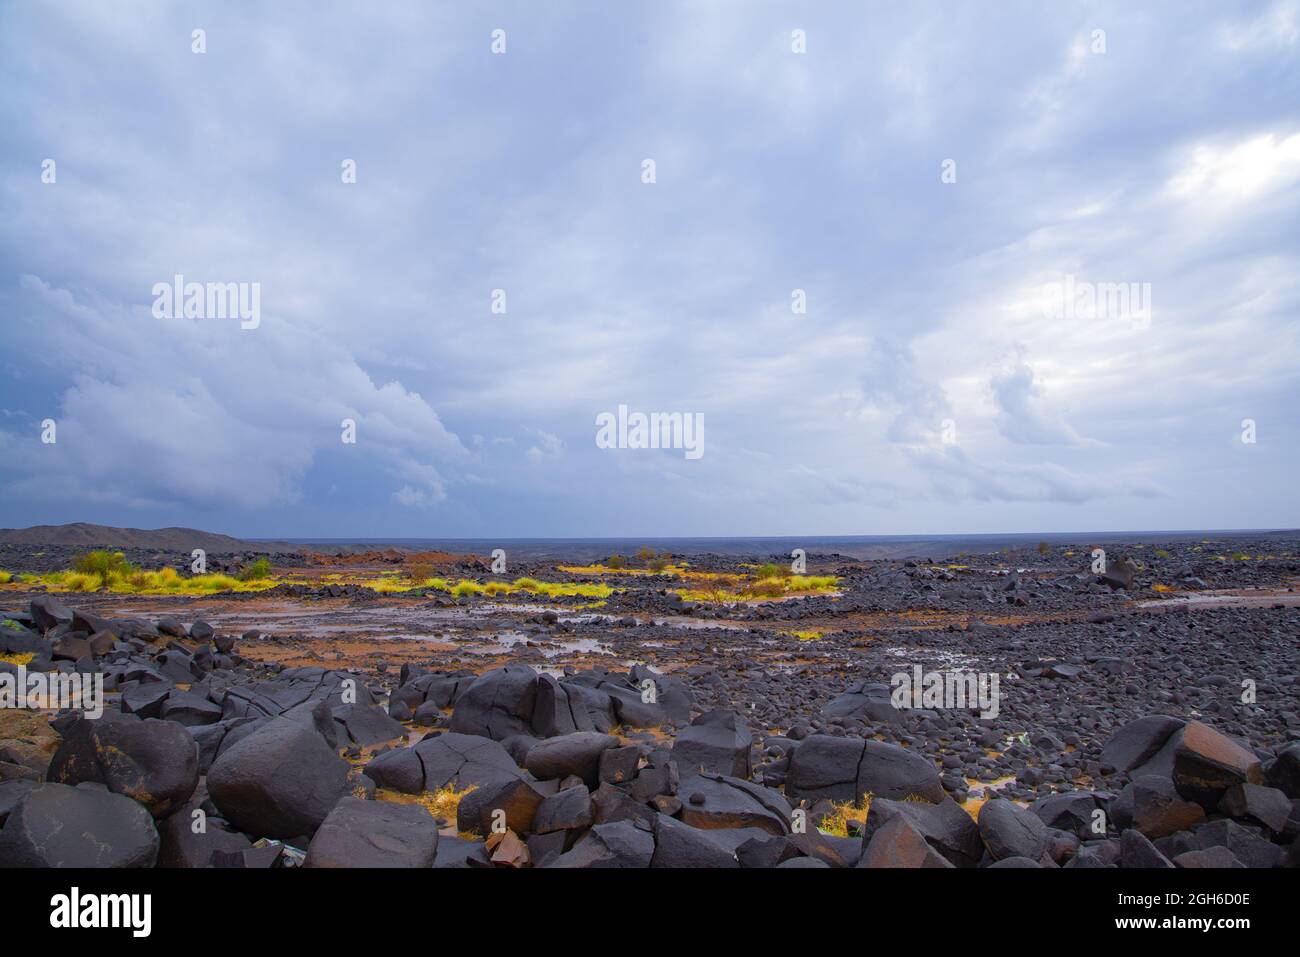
{"x":153,"y":762}
{"x":846,"y":769}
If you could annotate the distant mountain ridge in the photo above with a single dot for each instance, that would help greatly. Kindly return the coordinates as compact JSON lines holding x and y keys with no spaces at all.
{"x":84,"y":535}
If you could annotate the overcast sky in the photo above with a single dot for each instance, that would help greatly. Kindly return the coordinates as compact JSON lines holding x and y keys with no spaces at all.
{"x":929,"y":386}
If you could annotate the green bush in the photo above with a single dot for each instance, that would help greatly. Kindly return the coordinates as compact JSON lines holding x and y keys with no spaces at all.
{"x":102,"y":563}
{"x":257,"y":571}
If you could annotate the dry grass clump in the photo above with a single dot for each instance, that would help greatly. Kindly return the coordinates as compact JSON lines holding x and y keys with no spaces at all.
{"x":836,"y":824}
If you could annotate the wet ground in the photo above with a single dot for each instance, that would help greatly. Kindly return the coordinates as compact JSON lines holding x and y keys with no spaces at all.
{"x":1194,"y":622}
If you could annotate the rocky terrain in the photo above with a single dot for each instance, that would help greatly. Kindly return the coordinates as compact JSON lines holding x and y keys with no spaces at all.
{"x":1148,"y":717}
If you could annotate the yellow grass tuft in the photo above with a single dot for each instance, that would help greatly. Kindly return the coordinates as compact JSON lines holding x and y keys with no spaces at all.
{"x":441,"y":804}
{"x":837,"y":823}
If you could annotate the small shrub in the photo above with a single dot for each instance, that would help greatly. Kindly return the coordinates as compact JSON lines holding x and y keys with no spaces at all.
{"x":420,"y":572}
{"x":658,"y":564}
{"x":257,"y":571}
{"x":645,"y":553}
{"x":104,"y":564}
{"x":769,"y":570}
{"x":616,"y":561}
{"x":1044,"y":548}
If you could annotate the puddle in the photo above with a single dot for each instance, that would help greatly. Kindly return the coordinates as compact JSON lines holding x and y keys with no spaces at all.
{"x":506,"y":642}
{"x":1224,"y":598}
{"x":949,"y":659}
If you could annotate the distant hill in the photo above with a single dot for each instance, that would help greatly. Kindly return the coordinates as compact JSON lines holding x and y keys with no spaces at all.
{"x":83,"y":535}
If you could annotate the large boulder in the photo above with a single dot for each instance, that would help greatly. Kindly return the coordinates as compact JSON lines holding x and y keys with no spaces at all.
{"x":556,"y":712}
{"x":1009,"y":830}
{"x":900,"y":844}
{"x":1153,"y":806}
{"x":1137,"y":742}
{"x":847,"y":769}
{"x":720,"y":801}
{"x":1255,"y":803}
{"x":1070,"y":811}
{"x":717,"y":741}
{"x":824,"y":767}
{"x":618,"y":844}
{"x":374,"y":834}
{"x":459,"y":761}
{"x":1118,"y":574}
{"x":47,"y":612}
{"x":679,"y":845}
{"x":154,"y":762}
{"x":945,"y":827}
{"x":576,"y":754}
{"x":60,"y":826}
{"x":508,"y":804}
{"x":1207,"y":764}
{"x":498,"y":705}
{"x":567,"y":810}
{"x":889,"y":771}
{"x":281,"y":781}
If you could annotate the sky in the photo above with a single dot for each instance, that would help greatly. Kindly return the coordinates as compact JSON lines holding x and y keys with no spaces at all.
{"x":864,"y":254}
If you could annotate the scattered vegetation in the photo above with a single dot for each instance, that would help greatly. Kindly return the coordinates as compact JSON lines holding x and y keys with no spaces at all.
{"x":837,"y":822}
{"x":6,"y":577}
{"x":662,"y":565}
{"x":757,"y":590}
{"x":1044,"y":548}
{"x":441,"y":804}
{"x":18,"y":658}
{"x":420,"y":571}
{"x":105,"y":564}
{"x":532,"y":586}
{"x":616,"y":562}
{"x":256,"y":572}
{"x":806,"y":635}
{"x":1161,"y":553}
{"x":117,"y":579}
